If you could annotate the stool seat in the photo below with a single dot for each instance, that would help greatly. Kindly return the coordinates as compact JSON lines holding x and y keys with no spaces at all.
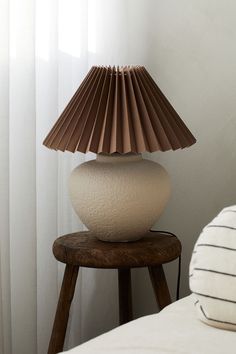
{"x":85,"y":250}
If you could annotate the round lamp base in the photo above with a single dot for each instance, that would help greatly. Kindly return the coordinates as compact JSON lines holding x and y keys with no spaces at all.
{"x":119,"y":197}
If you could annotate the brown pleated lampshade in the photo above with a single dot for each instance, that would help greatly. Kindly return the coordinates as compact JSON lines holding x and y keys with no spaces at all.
{"x":119,"y":109}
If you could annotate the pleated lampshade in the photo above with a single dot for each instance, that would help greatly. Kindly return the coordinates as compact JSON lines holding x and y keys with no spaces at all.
{"x":119,"y":110}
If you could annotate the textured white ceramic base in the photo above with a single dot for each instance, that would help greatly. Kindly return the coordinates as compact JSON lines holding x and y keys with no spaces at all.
{"x":119,"y":197}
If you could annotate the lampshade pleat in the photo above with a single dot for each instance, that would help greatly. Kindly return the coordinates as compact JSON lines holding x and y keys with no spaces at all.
{"x":141,"y":144}
{"x":86,"y":115}
{"x":147,"y":126}
{"x":114,"y":120}
{"x":128,"y":131}
{"x":119,"y":109}
{"x":60,"y":131}
{"x":161,"y":135}
{"x":92,"y":121}
{"x":161,"y":117}
{"x":107,"y":126}
{"x":181,"y":131}
{"x":81,"y":112}
{"x":95,"y":136}
{"x":167,"y":119}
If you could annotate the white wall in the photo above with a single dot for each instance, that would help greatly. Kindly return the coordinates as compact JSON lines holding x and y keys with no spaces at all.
{"x":192,"y":56}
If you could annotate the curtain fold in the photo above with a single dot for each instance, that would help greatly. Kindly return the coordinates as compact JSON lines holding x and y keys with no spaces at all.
{"x":22,"y":175}
{"x":47,"y":47}
{"x":5,"y":318}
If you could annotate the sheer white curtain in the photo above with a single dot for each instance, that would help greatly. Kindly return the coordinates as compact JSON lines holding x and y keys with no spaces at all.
{"x":46,"y":47}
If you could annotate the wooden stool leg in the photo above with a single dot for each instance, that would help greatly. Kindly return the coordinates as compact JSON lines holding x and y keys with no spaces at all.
{"x":125,"y":295}
{"x":63,"y":307}
{"x":160,"y":286}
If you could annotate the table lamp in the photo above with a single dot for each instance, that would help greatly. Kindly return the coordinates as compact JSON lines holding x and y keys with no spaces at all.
{"x":119,"y":113}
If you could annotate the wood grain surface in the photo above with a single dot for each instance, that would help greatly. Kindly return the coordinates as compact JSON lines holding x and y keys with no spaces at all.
{"x":84,"y":249}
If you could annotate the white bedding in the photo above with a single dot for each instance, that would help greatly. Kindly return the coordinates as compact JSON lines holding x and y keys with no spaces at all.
{"x":175,"y":329}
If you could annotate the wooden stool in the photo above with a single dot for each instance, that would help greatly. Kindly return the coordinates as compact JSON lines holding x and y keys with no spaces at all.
{"x":82,"y":249}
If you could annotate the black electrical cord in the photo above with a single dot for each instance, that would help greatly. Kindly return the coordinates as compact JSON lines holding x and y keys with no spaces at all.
{"x":178,"y":281}
{"x":179,"y":263}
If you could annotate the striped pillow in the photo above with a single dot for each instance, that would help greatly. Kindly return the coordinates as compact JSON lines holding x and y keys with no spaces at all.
{"x":212,"y":275}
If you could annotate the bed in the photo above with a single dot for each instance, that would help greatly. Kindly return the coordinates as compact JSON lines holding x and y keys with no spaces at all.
{"x":175,"y":329}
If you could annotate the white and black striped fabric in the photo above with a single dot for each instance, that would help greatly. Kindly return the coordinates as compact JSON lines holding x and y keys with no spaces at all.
{"x":212,"y":271}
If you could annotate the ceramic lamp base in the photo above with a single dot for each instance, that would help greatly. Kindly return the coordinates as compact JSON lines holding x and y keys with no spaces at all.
{"x":119,"y":197}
